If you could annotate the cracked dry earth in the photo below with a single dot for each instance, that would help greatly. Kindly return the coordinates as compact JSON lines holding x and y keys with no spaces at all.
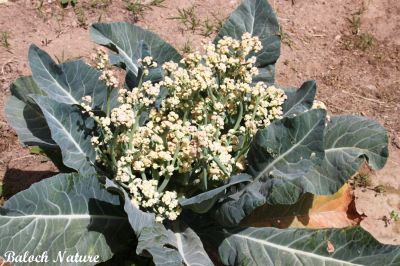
{"x":356,"y":66}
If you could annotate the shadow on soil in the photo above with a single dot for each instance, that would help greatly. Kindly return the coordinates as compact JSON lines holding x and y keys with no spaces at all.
{"x":16,"y":180}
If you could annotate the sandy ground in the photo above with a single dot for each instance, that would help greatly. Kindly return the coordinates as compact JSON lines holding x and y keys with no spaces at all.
{"x":350,"y":47}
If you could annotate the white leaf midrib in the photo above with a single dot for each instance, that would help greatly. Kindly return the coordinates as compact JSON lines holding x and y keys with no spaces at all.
{"x":63,"y":217}
{"x":283,"y":155}
{"x":179,"y":245}
{"x":66,"y":132}
{"x":74,"y":101}
{"x":291,"y":250}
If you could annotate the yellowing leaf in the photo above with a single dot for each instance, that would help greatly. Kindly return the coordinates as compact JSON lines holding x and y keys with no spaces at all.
{"x":310,"y":211}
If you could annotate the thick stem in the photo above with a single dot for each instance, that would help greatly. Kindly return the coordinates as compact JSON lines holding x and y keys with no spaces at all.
{"x":164,"y":184}
{"x":205,"y":178}
{"x":108,"y":103}
{"x":240,"y":117}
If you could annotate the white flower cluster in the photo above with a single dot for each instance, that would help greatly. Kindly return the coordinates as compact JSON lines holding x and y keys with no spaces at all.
{"x":192,"y":130}
{"x":321,"y":105}
{"x":101,"y":59}
{"x":145,"y":195}
{"x":318,"y":105}
{"x":109,"y":78}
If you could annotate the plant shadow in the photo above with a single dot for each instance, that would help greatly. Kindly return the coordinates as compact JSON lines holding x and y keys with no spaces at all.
{"x":16,"y":180}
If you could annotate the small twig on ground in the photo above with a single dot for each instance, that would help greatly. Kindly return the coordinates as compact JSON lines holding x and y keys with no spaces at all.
{"x":20,"y":158}
{"x":362,"y":97}
{"x":338,"y":108}
{"x":6,"y":64}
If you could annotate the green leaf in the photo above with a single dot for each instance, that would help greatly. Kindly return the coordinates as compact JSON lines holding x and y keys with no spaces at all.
{"x":24,"y":86}
{"x":158,"y":242}
{"x":203,"y":202}
{"x":29,"y":122}
{"x":349,"y":141}
{"x":27,"y":119}
{"x":71,"y":131}
{"x":68,"y":82}
{"x":25,"y":116}
{"x":155,"y":74}
{"x":299,"y":100}
{"x":67,"y":212}
{"x":266,"y":74}
{"x":280,"y":158}
{"x":124,"y":39}
{"x":178,"y":245}
{"x":271,"y":246}
{"x":258,"y":18}
{"x":281,"y":155}
{"x":189,"y":245}
{"x":137,"y":218}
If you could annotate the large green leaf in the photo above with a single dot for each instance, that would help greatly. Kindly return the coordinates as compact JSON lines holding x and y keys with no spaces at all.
{"x":23,"y":86}
{"x":271,"y":246}
{"x":178,"y":245}
{"x":349,"y":141}
{"x":124,"y":39}
{"x":299,"y":100}
{"x":279,"y":158}
{"x":189,"y":245}
{"x":67,"y":212}
{"x":203,"y":202}
{"x":158,"y":242}
{"x":28,"y":120}
{"x":68,"y":82}
{"x":155,"y":74}
{"x":258,"y":18}
{"x":282,"y":154}
{"x":71,"y":131}
{"x":25,"y":116}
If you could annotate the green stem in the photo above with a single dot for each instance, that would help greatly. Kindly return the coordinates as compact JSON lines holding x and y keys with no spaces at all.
{"x":239,"y":118}
{"x":164,"y":184}
{"x":256,"y":107}
{"x":243,"y":147}
{"x":213,"y":99}
{"x":167,"y":178}
{"x":141,"y":80}
{"x":112,"y":151}
{"x":143,"y":175}
{"x":155,"y":174}
{"x":108,"y":104}
{"x":205,"y":178}
{"x":178,"y":148}
{"x":221,"y":166}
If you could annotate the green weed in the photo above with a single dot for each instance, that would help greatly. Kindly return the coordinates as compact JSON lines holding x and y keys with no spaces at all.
{"x":138,"y":8}
{"x":188,"y":47}
{"x":81,"y":16}
{"x":208,"y":28}
{"x":355,"y":24}
{"x":64,"y":3}
{"x":285,"y":38}
{"x":188,"y":17}
{"x":100,"y":3}
{"x":363,"y":180}
{"x":365,"y":41}
{"x":4,"y":40}
{"x":286,"y":62}
{"x":394,"y":216}
{"x":379,"y":189}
